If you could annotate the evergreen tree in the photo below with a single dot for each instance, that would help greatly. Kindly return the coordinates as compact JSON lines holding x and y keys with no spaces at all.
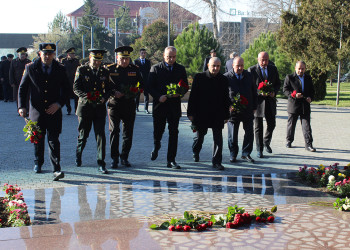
{"x":267,"y":42}
{"x":193,"y":46}
{"x":313,"y":34}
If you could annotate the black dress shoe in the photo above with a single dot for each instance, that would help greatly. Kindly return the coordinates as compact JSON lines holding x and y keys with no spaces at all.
{"x":147,"y":112}
{"x":125,"y":162}
{"x":248,"y":158}
{"x":260,"y":154}
{"x":57,"y":176}
{"x":196,"y":157}
{"x":310,"y":148}
{"x":137,"y":109}
{"x":154,"y":154}
{"x":173,"y":165}
{"x":114,"y":164}
{"x":268,"y":149}
{"x":288,"y":145}
{"x":78,"y":162}
{"x":218,"y":166}
{"x":37,"y":169}
{"x":233,"y":159}
{"x":103,"y":170}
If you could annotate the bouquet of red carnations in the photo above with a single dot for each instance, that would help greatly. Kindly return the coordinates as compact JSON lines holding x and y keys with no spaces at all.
{"x":181,"y":88}
{"x":131,"y":91}
{"x":32,"y":131}
{"x":266,"y":88}
{"x":94,"y":97}
{"x":240,"y":102}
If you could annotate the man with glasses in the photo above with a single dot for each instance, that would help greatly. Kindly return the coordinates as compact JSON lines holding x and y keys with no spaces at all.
{"x":47,"y":83}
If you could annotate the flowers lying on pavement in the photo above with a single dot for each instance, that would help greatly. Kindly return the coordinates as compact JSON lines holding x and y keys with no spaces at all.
{"x":234,"y":218}
{"x":342,"y":204}
{"x":15,"y":207}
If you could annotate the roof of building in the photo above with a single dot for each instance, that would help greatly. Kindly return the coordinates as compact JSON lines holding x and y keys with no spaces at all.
{"x":106,"y":8}
{"x":13,"y":40}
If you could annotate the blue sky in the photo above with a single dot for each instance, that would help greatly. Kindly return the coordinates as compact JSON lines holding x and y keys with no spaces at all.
{"x":33,"y":16}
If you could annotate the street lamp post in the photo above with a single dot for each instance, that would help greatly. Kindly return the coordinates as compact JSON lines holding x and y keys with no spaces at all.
{"x":83,"y":42}
{"x":168,"y":23}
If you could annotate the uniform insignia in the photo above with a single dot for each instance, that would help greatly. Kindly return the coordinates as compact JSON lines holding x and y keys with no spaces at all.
{"x":103,"y":85}
{"x":131,"y":73}
{"x":87,"y":78}
{"x":114,"y":74}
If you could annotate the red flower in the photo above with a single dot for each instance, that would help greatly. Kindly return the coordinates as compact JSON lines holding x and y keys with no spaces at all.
{"x":294,"y":93}
{"x":204,"y":226}
{"x":258,"y":219}
{"x":210,"y":223}
{"x":133,"y":89}
{"x":171,"y":228}
{"x":35,"y":132}
{"x":262,"y":85}
{"x":187,"y":228}
{"x":40,"y":136}
{"x":270,"y":219}
{"x":263,"y":220}
{"x":179,"y":228}
{"x":88,"y":95}
{"x":200,"y":228}
{"x":229,"y":225}
{"x":141,"y":90}
{"x":183,"y":84}
{"x":97,"y":93}
{"x":244,"y":100}
{"x":32,"y":139}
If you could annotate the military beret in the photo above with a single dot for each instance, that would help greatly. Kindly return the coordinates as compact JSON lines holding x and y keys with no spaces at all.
{"x":47,"y":47}
{"x":124,"y":51}
{"x":71,"y":50}
{"x":97,"y":54}
{"x":22,"y":50}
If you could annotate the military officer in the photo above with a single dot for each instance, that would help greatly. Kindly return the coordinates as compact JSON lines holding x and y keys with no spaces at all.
{"x":122,"y":106}
{"x":90,"y":78}
{"x":47,"y":83}
{"x":16,"y":72}
{"x":71,"y":64}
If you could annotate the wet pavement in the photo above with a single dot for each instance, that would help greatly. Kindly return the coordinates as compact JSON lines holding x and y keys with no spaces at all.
{"x":87,"y":210}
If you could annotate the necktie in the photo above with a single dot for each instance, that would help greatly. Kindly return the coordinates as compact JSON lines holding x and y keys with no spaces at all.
{"x":170,"y":68}
{"x":264,"y":74}
{"x":143,"y":61}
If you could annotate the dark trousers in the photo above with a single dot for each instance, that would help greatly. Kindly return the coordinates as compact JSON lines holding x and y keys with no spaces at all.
{"x":260,"y":139}
{"x":159,"y":122}
{"x":217,"y":148}
{"x":305,"y":125}
{"x":232,"y":129}
{"x":69,"y":108}
{"x":84,"y":127}
{"x":127,"y":116}
{"x":146,"y":99}
{"x":7,"y":91}
{"x":54,"y":148}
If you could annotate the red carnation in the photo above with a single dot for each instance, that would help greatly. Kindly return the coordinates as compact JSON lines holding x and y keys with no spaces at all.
{"x":97,"y":93}
{"x":261,"y":85}
{"x":32,"y":139}
{"x":187,"y":228}
{"x":270,"y":219}
{"x":88,"y":95}
{"x":258,"y":219}
{"x":229,"y":225}
{"x":210,"y":223}
{"x":294,"y":93}
{"x":244,"y":100}
{"x":179,"y":228}
{"x":183,"y":84}
{"x":171,"y":228}
{"x":35,"y":132}
{"x":263,"y":220}
{"x":141,"y":90}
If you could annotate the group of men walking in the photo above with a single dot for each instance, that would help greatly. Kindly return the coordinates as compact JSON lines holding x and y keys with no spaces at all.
{"x":209,"y":105}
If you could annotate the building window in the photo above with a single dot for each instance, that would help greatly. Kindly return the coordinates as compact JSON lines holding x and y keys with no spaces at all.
{"x":184,"y":24}
{"x":102,"y":21}
{"x":78,"y":21}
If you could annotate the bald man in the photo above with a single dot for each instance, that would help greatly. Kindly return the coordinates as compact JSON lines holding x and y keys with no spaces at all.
{"x":267,"y":105}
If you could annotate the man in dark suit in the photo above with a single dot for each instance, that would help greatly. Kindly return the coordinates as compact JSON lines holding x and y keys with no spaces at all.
{"x":90,"y":78}
{"x":165,"y":108}
{"x":16,"y":72}
{"x":144,"y":66}
{"x":228,"y":66}
{"x":299,"y":89}
{"x":71,"y":64}
{"x":206,"y":60}
{"x":5,"y":78}
{"x":266,"y":103}
{"x":47,"y":83}
{"x":208,"y":107}
{"x":240,"y":82}
{"x":121,"y":107}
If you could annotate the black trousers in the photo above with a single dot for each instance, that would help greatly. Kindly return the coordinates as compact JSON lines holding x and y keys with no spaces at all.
{"x":84,"y":127}
{"x":217,"y":147}
{"x":305,"y":125}
{"x":7,"y":90}
{"x":159,"y":122}
{"x":146,"y":99}
{"x":126,"y":114}
{"x":260,"y":139}
{"x":48,"y":128}
{"x":232,"y":129}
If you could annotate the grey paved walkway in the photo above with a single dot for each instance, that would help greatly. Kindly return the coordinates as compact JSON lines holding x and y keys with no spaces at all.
{"x":330,"y":130}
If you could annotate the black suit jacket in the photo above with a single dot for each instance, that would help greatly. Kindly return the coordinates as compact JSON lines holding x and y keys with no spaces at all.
{"x":144,"y":68}
{"x":16,"y":70}
{"x":44,"y":90}
{"x":209,"y":101}
{"x":206,"y":61}
{"x":228,"y":66}
{"x":159,"y":77}
{"x":266,"y":105}
{"x":291,"y":83}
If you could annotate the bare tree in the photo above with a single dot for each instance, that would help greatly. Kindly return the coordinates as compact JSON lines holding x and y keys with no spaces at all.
{"x":272,"y":9}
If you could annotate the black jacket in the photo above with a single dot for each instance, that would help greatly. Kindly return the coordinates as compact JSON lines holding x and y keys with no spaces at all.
{"x":71,"y":66}
{"x":144,"y":68}
{"x":266,"y":104}
{"x":291,"y":83}
{"x":85,"y":82}
{"x":209,"y":101}
{"x":245,"y":87}
{"x":44,"y":90}
{"x":16,"y":70}
{"x":159,"y":77}
{"x":4,"y":70}
{"x":205,"y":65}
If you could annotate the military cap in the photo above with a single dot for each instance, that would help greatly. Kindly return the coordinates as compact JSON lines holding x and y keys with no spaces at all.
{"x":22,"y":50}
{"x":3,"y":58}
{"x":213,"y":51}
{"x":61,"y":56}
{"x":97,"y":54}
{"x":10,"y":56}
{"x":124,"y":51}
{"x":71,"y":50}
{"x":47,"y":47}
